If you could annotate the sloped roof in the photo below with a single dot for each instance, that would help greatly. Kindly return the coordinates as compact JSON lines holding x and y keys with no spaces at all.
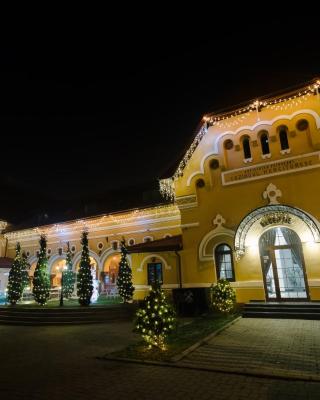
{"x":173,"y":243}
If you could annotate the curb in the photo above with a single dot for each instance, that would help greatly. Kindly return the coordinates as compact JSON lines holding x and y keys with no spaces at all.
{"x":203,"y":341}
{"x":258,"y":373}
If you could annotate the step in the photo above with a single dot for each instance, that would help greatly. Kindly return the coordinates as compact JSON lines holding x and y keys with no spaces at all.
{"x":282,"y":315}
{"x":283,"y":309}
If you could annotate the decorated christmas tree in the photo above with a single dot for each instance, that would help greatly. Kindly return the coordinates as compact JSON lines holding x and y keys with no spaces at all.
{"x":84,"y":285}
{"x":68,"y":275}
{"x":124,"y":280}
{"x":41,"y":281}
{"x":223,"y":296}
{"x":24,"y":271}
{"x":156,"y":318}
{"x":15,"y":287}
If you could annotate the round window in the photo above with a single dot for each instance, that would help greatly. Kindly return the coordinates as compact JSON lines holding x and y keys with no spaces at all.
{"x":302,"y":125}
{"x":100,"y":245}
{"x":73,"y":249}
{"x":131,"y":242}
{"x":228,"y":144}
{"x":214,"y":164}
{"x":200,"y":183}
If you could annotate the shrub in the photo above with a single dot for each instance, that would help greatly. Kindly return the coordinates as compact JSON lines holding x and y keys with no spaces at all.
{"x":222,"y":296}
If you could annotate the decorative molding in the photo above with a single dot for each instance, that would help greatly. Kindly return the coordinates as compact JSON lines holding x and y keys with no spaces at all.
{"x":218,"y":221}
{"x":219,"y":230}
{"x":215,"y":151}
{"x":285,"y":151}
{"x":265,"y":156}
{"x":247,"y":284}
{"x":166,"y":266}
{"x":250,"y":219}
{"x":260,"y":171}
{"x":247,"y":160}
{"x":272,"y":192}
{"x":189,"y":201}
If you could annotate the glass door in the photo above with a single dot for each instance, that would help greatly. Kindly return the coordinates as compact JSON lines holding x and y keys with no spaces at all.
{"x":282,"y":264}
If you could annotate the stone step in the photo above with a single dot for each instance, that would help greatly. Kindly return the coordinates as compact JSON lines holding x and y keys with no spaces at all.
{"x":282,"y":309}
{"x":281,"y":314}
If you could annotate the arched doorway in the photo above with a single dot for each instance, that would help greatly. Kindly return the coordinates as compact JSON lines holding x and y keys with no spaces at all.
{"x":56,"y":273}
{"x":283,"y":265}
{"x":110,"y":273}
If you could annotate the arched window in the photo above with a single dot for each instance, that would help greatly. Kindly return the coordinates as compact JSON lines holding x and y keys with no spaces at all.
{"x":224,"y":262}
{"x":246,"y":147}
{"x":283,"y":136}
{"x":264,"y":140}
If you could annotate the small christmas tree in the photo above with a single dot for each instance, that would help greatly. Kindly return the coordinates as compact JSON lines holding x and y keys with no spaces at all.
{"x":15,"y":287}
{"x":41,"y":281}
{"x":223,"y":296}
{"x":84,"y":285}
{"x":68,"y":275}
{"x":24,"y":271}
{"x":156,"y":318}
{"x":124,"y":280}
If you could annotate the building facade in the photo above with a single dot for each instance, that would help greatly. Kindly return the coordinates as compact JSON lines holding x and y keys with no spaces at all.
{"x":245,"y":203}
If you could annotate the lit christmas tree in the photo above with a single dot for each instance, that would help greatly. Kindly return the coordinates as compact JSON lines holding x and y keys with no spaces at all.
{"x":15,"y":287}
{"x":124,"y":280}
{"x":41,"y":281}
{"x":84,"y":285}
{"x":24,"y":271}
{"x":68,"y":275}
{"x":156,"y":318}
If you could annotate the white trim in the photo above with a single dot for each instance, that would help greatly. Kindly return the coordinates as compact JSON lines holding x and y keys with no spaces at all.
{"x":215,"y":152}
{"x":134,"y":241}
{"x":220,"y":231}
{"x":272,"y":174}
{"x":247,"y":284}
{"x":166,"y":266}
{"x":190,"y":225}
{"x":100,"y":249}
{"x":195,"y":285}
{"x":164,"y":286}
{"x":167,"y":235}
{"x":77,"y":258}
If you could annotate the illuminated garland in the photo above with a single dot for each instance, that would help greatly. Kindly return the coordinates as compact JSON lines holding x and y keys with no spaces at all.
{"x":166,"y":186}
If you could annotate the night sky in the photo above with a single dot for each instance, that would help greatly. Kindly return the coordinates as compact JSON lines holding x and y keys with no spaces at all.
{"x":89,"y":125}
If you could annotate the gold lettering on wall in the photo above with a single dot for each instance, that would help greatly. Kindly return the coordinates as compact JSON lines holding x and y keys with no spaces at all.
{"x":292,"y":164}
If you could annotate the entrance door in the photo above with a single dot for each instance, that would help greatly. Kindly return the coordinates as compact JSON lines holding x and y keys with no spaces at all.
{"x":282,"y":264}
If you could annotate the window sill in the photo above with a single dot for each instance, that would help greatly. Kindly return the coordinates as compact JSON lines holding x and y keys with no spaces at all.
{"x":286,"y":151}
{"x":264,"y":156}
{"x":247,"y":160}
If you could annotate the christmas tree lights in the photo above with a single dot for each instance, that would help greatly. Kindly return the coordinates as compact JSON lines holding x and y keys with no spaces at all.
{"x":41,"y":281}
{"x":223,"y":296}
{"x":15,"y":287}
{"x":124,"y":280}
{"x":68,"y":275}
{"x":84,"y":285}
{"x":155,"y":320}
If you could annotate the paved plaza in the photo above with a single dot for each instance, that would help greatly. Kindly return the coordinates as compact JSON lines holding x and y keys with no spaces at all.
{"x":60,"y":363}
{"x":275,"y":347}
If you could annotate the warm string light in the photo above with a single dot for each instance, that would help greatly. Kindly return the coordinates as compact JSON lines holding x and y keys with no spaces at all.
{"x":232,"y":119}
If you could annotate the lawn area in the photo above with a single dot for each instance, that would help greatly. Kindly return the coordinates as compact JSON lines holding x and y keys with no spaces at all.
{"x":188,"y":332}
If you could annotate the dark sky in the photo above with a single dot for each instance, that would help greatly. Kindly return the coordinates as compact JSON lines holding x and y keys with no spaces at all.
{"x":84,"y":121}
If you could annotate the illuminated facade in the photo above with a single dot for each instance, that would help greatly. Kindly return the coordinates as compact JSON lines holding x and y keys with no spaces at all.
{"x":246,"y":201}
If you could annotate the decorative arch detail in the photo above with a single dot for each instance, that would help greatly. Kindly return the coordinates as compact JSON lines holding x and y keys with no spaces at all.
{"x":77,"y":258}
{"x":215,"y":151}
{"x":264,"y":218}
{"x":166,"y":266}
{"x":206,"y":254}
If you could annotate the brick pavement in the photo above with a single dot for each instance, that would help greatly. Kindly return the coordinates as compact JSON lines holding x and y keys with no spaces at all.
{"x":43,"y":363}
{"x":271,"y":346}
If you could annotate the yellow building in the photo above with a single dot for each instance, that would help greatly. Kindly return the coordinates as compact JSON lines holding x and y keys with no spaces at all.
{"x":245,"y":206}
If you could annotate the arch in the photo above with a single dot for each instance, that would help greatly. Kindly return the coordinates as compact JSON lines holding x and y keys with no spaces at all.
{"x":32,"y":259}
{"x":206,"y":253}
{"x":109,"y":252}
{"x":223,"y":256}
{"x":283,"y":137}
{"x":261,"y":219}
{"x":165,"y":264}
{"x":264,"y":141}
{"x":77,"y":258}
{"x":55,"y":258}
{"x":245,"y":140}
{"x":251,"y":128}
